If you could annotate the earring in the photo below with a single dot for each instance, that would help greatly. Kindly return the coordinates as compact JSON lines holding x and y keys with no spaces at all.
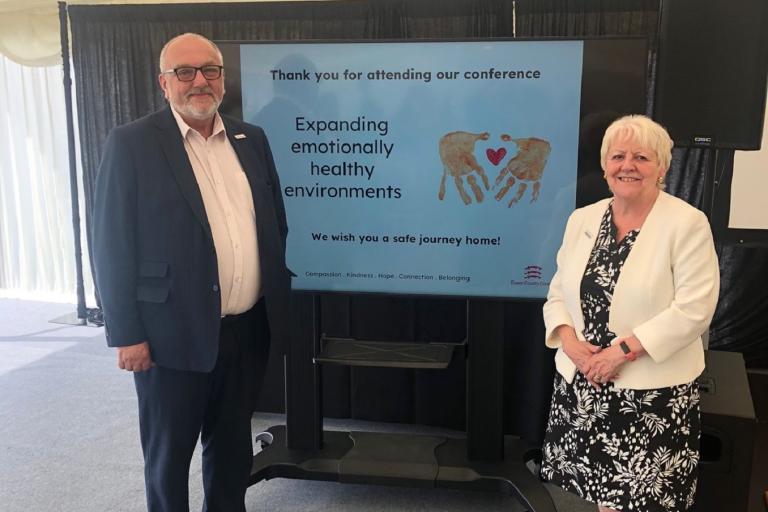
{"x":660,"y":181}
{"x":605,"y":176}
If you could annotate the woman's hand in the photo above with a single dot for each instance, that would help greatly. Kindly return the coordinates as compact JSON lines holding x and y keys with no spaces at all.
{"x":578,"y":351}
{"x":604,"y":366}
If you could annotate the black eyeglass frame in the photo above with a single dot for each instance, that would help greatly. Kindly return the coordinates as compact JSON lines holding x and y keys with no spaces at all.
{"x":200,"y":69}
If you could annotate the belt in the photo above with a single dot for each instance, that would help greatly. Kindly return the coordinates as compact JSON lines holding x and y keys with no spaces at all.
{"x":233,"y":319}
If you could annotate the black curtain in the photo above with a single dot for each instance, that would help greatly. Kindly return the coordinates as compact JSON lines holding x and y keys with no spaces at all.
{"x":115,"y":52}
{"x":582,"y":18}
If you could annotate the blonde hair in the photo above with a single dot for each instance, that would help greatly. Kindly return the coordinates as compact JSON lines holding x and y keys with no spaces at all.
{"x":187,"y":34}
{"x":643,"y":131}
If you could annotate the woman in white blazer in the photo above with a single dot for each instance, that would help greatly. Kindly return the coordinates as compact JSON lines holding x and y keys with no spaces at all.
{"x":636,"y":286}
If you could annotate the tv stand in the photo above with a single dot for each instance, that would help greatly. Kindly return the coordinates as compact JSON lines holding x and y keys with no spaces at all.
{"x":485,"y":460}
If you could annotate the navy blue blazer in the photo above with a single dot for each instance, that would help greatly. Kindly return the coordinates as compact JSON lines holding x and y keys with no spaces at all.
{"x":154,"y":258}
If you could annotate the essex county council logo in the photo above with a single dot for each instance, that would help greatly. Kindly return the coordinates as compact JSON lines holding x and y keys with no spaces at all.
{"x":532,"y":272}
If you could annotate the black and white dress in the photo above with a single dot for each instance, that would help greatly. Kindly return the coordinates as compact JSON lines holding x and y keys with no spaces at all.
{"x":621,"y":448}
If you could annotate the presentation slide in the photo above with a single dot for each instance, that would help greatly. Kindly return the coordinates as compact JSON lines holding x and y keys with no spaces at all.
{"x":441,"y":168}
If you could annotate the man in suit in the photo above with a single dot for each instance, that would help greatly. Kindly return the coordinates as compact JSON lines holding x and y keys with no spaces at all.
{"x":189,"y":250}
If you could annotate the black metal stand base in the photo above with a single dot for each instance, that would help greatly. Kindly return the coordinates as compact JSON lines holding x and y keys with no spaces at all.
{"x":403,"y":460}
{"x":69,"y":319}
{"x":93,"y":318}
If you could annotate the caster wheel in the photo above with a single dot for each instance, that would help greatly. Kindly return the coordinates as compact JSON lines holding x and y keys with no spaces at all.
{"x":263,"y":439}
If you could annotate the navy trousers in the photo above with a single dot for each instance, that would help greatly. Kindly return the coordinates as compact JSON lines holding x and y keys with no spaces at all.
{"x":176,"y":407}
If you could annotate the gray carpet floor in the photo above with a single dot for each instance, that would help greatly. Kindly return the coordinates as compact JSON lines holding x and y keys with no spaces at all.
{"x":69,"y":436}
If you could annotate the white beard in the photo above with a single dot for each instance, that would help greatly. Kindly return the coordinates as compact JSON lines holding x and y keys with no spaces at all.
{"x":196,"y":110}
{"x":200,"y":112}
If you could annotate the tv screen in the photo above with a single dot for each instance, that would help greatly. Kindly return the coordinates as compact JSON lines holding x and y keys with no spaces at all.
{"x":442,"y":168}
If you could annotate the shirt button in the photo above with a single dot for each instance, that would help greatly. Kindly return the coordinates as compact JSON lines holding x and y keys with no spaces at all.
{"x":215,"y":287}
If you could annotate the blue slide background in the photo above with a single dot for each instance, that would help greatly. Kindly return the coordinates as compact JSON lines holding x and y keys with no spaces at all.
{"x":418,"y":113}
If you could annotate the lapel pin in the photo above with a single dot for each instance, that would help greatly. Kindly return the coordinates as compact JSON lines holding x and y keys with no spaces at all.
{"x":239,"y":135}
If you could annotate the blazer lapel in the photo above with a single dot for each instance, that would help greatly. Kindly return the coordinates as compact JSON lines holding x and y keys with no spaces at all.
{"x":178,"y":161}
{"x":587,"y":237}
{"x":645,"y":247}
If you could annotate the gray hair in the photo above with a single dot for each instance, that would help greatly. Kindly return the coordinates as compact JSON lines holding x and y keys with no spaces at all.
{"x":187,"y":34}
{"x":642,"y":130}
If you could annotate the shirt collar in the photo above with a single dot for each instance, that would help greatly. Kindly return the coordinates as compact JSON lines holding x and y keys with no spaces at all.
{"x":184,"y":128}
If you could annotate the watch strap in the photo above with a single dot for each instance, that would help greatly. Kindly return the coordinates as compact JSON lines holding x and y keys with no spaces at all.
{"x":628,"y":354}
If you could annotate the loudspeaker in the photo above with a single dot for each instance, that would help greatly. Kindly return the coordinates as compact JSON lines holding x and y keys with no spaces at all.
{"x":711,"y":74}
{"x":727,"y":434}
{"x":758,"y":491}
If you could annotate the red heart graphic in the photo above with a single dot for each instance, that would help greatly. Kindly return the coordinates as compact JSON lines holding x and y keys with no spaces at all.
{"x":495,"y":155}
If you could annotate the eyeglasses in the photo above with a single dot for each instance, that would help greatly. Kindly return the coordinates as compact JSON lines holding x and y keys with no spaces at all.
{"x":188,"y":73}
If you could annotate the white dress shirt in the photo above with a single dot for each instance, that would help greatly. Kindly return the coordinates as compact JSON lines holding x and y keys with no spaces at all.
{"x":229,"y":207}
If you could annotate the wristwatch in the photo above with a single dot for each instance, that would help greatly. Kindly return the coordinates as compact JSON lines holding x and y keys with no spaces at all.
{"x":628,"y":354}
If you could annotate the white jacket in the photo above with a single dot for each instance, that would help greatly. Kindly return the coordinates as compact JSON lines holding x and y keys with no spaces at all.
{"x":665,"y":295}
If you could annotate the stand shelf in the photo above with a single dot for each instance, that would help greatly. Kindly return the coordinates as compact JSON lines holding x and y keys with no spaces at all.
{"x":351,"y":352}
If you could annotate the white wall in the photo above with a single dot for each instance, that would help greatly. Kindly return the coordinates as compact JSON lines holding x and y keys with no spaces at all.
{"x":749,"y":188}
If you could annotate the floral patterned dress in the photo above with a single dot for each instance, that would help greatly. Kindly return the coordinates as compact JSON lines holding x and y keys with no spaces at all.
{"x":621,"y":448}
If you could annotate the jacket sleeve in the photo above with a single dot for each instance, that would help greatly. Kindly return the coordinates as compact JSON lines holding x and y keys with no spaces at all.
{"x":555,"y":309}
{"x":114,"y":242}
{"x":696,"y":281}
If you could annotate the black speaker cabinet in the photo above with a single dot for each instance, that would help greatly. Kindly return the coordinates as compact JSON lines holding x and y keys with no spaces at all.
{"x":758,"y":491}
{"x":727,"y":434}
{"x":711,"y":75}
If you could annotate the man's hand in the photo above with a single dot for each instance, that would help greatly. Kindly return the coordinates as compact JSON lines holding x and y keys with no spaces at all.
{"x":135,"y":358}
